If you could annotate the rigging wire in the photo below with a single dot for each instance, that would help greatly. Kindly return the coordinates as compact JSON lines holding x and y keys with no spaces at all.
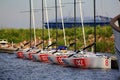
{"x":33,"y":20}
{"x":46,"y":11}
{"x":62,"y":22}
{"x":81,"y":15}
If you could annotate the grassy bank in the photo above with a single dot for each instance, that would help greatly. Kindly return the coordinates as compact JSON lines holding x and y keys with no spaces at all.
{"x":105,"y":38}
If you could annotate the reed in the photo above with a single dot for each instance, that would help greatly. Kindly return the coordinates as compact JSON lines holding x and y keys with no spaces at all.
{"x":105,"y":38}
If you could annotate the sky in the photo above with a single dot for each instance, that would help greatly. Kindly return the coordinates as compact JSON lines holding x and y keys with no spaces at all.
{"x":15,"y":13}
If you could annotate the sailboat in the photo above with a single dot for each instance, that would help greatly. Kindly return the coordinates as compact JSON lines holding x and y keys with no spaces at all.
{"x":42,"y":55}
{"x":5,"y":47}
{"x":115,"y":23}
{"x":56,"y":58}
{"x":84,"y":59}
{"x":34,"y":50}
{"x":26,"y":53}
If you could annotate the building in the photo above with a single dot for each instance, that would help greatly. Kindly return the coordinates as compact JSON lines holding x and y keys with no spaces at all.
{"x":88,"y":21}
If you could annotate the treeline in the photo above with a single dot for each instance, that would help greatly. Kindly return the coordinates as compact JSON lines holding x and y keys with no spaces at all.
{"x":104,"y":37}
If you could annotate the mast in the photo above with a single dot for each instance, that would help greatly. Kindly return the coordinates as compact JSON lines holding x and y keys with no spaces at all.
{"x":56,"y":23}
{"x":94,"y":6}
{"x":43,"y":23}
{"x":30,"y":23}
{"x":75,"y":24}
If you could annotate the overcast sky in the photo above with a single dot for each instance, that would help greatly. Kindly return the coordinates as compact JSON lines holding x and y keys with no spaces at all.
{"x":12,"y":13}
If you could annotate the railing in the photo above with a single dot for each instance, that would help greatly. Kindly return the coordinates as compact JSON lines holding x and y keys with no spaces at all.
{"x":113,"y":21}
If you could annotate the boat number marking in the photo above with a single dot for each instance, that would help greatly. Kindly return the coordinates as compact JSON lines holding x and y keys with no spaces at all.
{"x":80,"y":62}
{"x":30,"y":56}
{"x":43,"y":57}
{"x":20,"y":54}
{"x":106,"y":62}
{"x":59,"y":59}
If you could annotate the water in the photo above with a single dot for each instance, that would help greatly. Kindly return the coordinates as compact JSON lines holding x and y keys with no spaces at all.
{"x":12,"y":68}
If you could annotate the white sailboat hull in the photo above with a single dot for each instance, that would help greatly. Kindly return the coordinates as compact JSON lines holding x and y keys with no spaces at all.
{"x":19,"y":53}
{"x":42,"y":56}
{"x":28,"y":55}
{"x":35,"y":57}
{"x":56,"y":59}
{"x":89,"y":62}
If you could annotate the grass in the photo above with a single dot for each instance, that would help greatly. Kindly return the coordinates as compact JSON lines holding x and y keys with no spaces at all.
{"x":105,"y":41}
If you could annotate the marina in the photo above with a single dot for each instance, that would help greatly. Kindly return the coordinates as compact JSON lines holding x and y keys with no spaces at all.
{"x":60,"y":51}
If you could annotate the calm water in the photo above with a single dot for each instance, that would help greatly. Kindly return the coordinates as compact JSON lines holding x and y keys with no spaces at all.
{"x":12,"y":68}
